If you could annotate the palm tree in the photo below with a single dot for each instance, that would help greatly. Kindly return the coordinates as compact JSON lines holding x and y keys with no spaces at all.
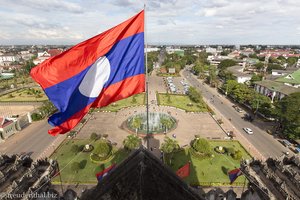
{"x":167,"y":123}
{"x":136,"y":123}
{"x":169,"y":146}
{"x":132,"y":142}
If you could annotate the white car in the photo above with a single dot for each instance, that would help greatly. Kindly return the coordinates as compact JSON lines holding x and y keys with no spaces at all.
{"x":248,"y":130}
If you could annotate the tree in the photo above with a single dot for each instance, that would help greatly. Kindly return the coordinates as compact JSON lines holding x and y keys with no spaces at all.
{"x":288,"y":112}
{"x":242,"y":93}
{"x":166,"y":122}
{"x":237,"y":155}
{"x":261,"y":103}
{"x":272,"y":66}
{"x":169,"y":146}
{"x":194,"y":95}
{"x":226,"y":75}
{"x":253,"y":55}
{"x":28,"y":66}
{"x":255,"y":78}
{"x":47,"y":108}
{"x":201,"y":145}
{"x":212,"y":77}
{"x":227,"y":63}
{"x":136,"y":123}
{"x":75,"y":167}
{"x":291,"y":61}
{"x":103,"y":148}
{"x":132,"y":142}
{"x":259,"y":66}
{"x":229,"y":86}
{"x":94,"y":136}
{"x":198,"y":68}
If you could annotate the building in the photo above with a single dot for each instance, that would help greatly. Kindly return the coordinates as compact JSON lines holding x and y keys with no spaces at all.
{"x":238,"y":72}
{"x":8,"y":59}
{"x":277,"y":178}
{"x":234,"y":54}
{"x":279,"y":72}
{"x":280,"y":87}
{"x":7,"y":128}
{"x":42,"y":56}
{"x":151,"y":49}
{"x":179,"y":52}
{"x":211,"y":50}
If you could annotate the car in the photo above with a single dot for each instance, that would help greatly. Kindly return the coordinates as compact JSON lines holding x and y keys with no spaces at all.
{"x":239,"y":110}
{"x":248,"y":130}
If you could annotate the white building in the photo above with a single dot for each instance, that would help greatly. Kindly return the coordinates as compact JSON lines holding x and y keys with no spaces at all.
{"x":7,"y":59}
{"x":238,"y":72}
{"x":211,"y":50}
{"x":151,"y":49}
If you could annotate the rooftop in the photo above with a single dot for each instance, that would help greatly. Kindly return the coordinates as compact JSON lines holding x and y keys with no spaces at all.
{"x":293,"y":78}
{"x":278,"y":86}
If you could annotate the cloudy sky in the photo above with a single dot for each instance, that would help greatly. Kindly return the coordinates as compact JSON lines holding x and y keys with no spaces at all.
{"x":168,"y":21}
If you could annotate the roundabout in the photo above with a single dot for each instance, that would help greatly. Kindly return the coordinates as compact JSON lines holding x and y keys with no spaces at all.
{"x":158,"y":123}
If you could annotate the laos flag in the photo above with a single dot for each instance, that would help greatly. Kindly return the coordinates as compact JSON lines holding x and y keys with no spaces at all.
{"x":94,"y":73}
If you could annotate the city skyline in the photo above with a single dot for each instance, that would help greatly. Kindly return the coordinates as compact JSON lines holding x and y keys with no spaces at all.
{"x":179,"y":22}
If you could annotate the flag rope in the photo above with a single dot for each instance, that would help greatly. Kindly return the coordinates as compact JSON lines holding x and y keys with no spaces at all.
{"x":60,"y":170}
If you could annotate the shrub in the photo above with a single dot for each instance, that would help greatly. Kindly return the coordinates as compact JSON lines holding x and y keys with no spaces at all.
{"x":230,"y":151}
{"x":102,"y":149}
{"x":36,"y":116}
{"x":237,"y":155}
{"x":201,"y":145}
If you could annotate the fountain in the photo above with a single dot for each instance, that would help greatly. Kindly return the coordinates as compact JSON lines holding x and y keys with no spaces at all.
{"x":158,"y":123}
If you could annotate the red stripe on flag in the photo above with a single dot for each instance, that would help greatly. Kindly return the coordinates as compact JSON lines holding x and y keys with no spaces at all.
{"x":106,"y":170}
{"x":71,"y":62}
{"x":123,"y":89}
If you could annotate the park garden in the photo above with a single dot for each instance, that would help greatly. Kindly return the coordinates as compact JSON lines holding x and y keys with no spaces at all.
{"x":25,"y":94}
{"x":80,"y":159}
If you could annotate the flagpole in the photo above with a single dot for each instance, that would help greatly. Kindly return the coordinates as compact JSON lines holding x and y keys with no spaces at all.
{"x":147,"y":79}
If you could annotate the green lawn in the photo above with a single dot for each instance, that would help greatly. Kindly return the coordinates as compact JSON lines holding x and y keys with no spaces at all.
{"x":124,"y":103}
{"x":182,"y":102}
{"x":210,"y":171}
{"x":64,"y":155}
{"x":27,"y":94}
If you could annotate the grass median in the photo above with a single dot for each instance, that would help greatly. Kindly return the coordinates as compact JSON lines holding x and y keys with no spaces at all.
{"x":181,"y":101}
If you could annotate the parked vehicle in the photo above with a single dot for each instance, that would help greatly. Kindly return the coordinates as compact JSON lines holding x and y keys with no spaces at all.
{"x":286,"y":143}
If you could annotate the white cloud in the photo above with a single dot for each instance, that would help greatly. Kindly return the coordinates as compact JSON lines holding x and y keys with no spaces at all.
{"x":50,"y":5}
{"x":172,"y":21}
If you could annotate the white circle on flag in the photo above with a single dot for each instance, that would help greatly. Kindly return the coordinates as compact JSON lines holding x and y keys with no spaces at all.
{"x":95,"y":78}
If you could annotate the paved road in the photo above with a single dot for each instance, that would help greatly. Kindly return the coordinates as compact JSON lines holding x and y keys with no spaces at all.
{"x":264,"y":143}
{"x":33,"y":140}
